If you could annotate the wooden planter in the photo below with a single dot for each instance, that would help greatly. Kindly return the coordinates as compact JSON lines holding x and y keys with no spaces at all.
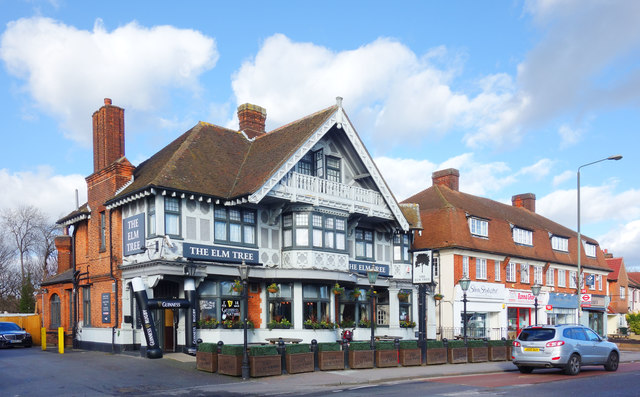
{"x":386,"y":358}
{"x":498,"y":353}
{"x":331,"y":360}
{"x":457,"y":355}
{"x":359,"y":359}
{"x":410,"y":357}
{"x":229,"y":365}
{"x":477,"y":354}
{"x":206,"y":361}
{"x":437,"y":355}
{"x":265,"y":366}
{"x":299,"y":362}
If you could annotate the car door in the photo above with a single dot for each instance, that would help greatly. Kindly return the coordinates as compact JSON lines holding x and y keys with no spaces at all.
{"x":599,"y":349}
{"x":584,"y":346}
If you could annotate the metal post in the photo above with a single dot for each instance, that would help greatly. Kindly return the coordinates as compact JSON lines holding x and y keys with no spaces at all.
{"x":464,"y":319}
{"x":373,"y":342}
{"x":245,"y":353}
{"x":535,"y":305}
{"x":422,"y":342}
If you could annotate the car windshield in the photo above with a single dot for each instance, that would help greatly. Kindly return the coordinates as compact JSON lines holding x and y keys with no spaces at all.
{"x":9,"y":327}
{"x":537,"y":334}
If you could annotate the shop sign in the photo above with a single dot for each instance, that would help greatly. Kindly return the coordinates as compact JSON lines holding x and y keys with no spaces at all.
{"x":523,"y":297}
{"x":363,"y":267}
{"x":219,"y":254}
{"x":548,"y":308}
{"x":422,"y":267}
{"x":585,"y":300}
{"x":133,"y":235}
{"x":485,"y":291}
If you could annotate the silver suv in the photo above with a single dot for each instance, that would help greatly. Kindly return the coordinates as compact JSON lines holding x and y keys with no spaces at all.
{"x":563,"y":346}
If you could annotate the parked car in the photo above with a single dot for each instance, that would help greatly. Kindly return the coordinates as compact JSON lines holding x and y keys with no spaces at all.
{"x":12,"y":335}
{"x":565,"y":346}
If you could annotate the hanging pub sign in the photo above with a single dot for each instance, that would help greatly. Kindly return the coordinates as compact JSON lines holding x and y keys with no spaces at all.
{"x":422,"y":269}
{"x":219,"y":254}
{"x":133,"y":235}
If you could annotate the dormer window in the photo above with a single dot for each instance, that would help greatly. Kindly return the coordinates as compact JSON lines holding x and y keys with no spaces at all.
{"x":560,"y":243}
{"x":522,"y":236}
{"x":590,"y":250}
{"x":479,"y":227}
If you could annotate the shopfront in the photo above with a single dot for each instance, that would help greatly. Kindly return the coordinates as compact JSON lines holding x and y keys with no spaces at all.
{"x":520,"y":310}
{"x":594,"y":311}
{"x":561,"y":308}
{"x":484,"y":305}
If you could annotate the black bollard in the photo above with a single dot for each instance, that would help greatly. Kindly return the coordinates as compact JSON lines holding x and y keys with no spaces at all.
{"x":314,"y":349}
{"x":345,"y":348}
{"x":220,"y":344}
{"x":281,"y":350}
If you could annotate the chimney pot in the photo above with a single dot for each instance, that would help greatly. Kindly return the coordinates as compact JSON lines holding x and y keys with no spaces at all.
{"x":107,"y":101}
{"x":449,"y":178}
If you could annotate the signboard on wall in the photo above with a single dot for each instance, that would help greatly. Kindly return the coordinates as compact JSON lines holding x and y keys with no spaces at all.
{"x":363,"y":267}
{"x":230,"y":309}
{"x":133,"y":235}
{"x":106,"y":308}
{"x":422,"y":267}
{"x":219,"y":254}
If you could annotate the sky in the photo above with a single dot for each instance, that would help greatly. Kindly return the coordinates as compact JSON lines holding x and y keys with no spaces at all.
{"x":515,"y":94}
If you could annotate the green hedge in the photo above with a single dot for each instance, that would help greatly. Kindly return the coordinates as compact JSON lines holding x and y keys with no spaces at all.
{"x":434,"y":344}
{"x":497,"y":343}
{"x":408,"y":344}
{"x":266,"y":350}
{"x":329,"y":347}
{"x":208,"y":347}
{"x":360,"y":346}
{"x":232,"y":350}
{"x":385,"y":345}
{"x":476,"y":343}
{"x":452,"y":344}
{"x":297,"y":348}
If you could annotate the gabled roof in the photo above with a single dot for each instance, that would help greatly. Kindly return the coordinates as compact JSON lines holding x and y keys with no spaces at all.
{"x":634,"y":279}
{"x":445,"y":213}
{"x":62,"y":278}
{"x":84,"y":212}
{"x":615,"y":264}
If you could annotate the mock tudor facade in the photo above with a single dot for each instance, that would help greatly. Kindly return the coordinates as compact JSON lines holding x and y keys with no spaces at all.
{"x":304,"y":206}
{"x":505,"y":250}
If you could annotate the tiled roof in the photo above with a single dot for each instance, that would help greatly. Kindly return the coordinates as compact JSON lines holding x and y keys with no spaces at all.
{"x":634,"y":279}
{"x":615,"y":264}
{"x":411,"y":212}
{"x":80,"y":213}
{"x":220,"y":162}
{"x":445,"y":215}
{"x":62,"y":278}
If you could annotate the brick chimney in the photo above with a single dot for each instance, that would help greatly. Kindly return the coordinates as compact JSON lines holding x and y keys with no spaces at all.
{"x":252,"y":119}
{"x":63,"y":246}
{"x":607,"y":254}
{"x":449,"y":178}
{"x":108,"y":135}
{"x":526,"y":201}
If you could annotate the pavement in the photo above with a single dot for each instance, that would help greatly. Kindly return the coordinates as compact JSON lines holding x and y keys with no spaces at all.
{"x":334,"y":380}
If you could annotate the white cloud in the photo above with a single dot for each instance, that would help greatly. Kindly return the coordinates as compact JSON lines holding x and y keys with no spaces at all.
{"x":405,"y":177}
{"x":565,"y":176}
{"x":569,"y":136}
{"x":68,"y":71}
{"x":538,"y":170}
{"x":623,"y":241}
{"x":53,"y":194}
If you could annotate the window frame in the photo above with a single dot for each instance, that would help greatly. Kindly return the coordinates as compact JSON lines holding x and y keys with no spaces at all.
{"x":478,"y":227}
{"x":559,"y":243}
{"x":522,"y":236}
{"x":481,"y":269}
{"x":333,"y":172}
{"x":590,"y":250}
{"x":511,"y":275}
{"x":361,"y":240}
{"x":562,"y":278}
{"x":573,"y":283}
{"x":550,"y":276}
{"x":170,"y":212}
{"x":86,"y":306}
{"x":241,"y":222}
{"x":321,"y":303}
{"x":401,"y":245}
{"x":279,"y":301}
{"x":465,"y":266}
{"x":525,"y":269}
{"x":55,"y":305}
{"x":151,"y":217}
{"x":497,"y":270}
{"x":103,"y":231}
{"x":332,"y":231}
{"x":537,"y":275}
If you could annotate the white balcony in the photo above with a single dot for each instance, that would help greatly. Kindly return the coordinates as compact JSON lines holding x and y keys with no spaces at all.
{"x":317,"y":191}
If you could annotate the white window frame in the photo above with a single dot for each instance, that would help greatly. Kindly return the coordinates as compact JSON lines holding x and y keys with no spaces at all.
{"x":590,"y":250}
{"x":560,"y":243}
{"x":497,"y":270}
{"x":465,"y":266}
{"x":537,"y":275}
{"x":551,"y":276}
{"x":621,"y":292}
{"x":522,"y":236}
{"x":525,"y":275}
{"x":562,"y":278}
{"x":572,"y":280}
{"x":481,"y":269}
{"x":511,"y":272}
{"x":599,"y":282}
{"x":435,"y":261}
{"x":478,"y":227}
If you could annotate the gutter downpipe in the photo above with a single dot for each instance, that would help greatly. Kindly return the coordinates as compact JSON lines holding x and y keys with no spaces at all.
{"x":115,"y":281}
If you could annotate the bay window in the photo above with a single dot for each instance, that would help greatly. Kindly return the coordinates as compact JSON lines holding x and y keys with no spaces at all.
{"x":314,"y":230}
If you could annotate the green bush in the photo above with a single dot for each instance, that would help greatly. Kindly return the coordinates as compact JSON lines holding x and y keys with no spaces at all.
{"x":231,"y":350}
{"x":633,"y":320}
{"x":434,"y":344}
{"x":329,"y":347}
{"x":452,"y":344}
{"x":208,"y":347}
{"x":497,"y":343}
{"x":408,"y":344}
{"x":297,"y":348}
{"x":360,"y":346}
{"x":266,"y":350}
{"x":385,"y":345}
{"x":476,"y":343}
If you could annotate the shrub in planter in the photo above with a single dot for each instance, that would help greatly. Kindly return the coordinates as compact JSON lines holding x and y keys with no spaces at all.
{"x":360,"y":355}
{"x":436,"y":352}
{"x":230,"y":360}
{"x":386,"y":354}
{"x":207,"y":357}
{"x":497,"y":350}
{"x":409,"y":353}
{"x":299,"y":358}
{"x":477,"y":351}
{"x":330,"y":356}
{"x":456,"y":352}
{"x":264,"y":361}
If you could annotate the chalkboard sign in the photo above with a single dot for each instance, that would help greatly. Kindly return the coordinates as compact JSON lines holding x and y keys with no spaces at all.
{"x":106,"y":308}
{"x":230,"y":309}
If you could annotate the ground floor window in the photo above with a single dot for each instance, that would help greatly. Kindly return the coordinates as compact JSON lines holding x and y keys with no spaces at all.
{"x":315,"y":301}
{"x":280,"y":303}
{"x":354,"y":309}
{"x":219,"y":302}
{"x":86,"y":306}
{"x":561,"y":316}
{"x":382,"y":307}
{"x":476,"y":325}
{"x":517,"y":318}
{"x":404,"y":303}
{"x":55,"y":311}
{"x":596,"y":321}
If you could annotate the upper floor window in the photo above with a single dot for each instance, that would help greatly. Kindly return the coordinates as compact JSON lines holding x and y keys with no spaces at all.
{"x":550,"y":274}
{"x":364,"y":244}
{"x":537,"y":275}
{"x":333,"y":169}
{"x":562,"y":278}
{"x":401,"y":248}
{"x":151,"y":215}
{"x":479,"y":227}
{"x":522,"y":236}
{"x":524,"y":274}
{"x":103,"y":231}
{"x":590,"y":249}
{"x":172,"y":216}
{"x":305,"y":165}
{"x":435,"y":262}
{"x":496,"y":265}
{"x":465,"y":266}
{"x":598,"y":282}
{"x":511,"y":272}
{"x":573,"y":281}
{"x":481,"y":268}
{"x":560,"y":243}
{"x":317,"y":164}
{"x":621,"y":293}
{"x":235,"y":226}
{"x":307,"y":229}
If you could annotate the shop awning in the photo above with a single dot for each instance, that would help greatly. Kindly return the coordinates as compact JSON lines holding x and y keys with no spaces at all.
{"x":566,"y":301}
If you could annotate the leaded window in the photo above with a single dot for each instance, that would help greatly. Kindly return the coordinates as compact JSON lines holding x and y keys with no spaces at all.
{"x":235,"y":226}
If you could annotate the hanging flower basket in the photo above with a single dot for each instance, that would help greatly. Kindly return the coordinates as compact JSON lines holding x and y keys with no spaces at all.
{"x":438,"y":297}
{"x":337,"y":289}
{"x":403,"y":296}
{"x":356,"y":293}
{"x":236,"y":286}
{"x":273,"y":288}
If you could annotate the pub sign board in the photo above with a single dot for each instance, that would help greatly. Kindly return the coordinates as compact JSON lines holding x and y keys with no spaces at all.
{"x":230,"y":309}
{"x":133,"y":235}
{"x":422,"y":269}
{"x":106,"y":308}
{"x":363,"y":267}
{"x":219,"y":254}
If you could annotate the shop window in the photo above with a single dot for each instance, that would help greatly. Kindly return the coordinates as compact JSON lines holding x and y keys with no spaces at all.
{"x":364,"y":244}
{"x":315,"y":301}
{"x":86,"y":306}
{"x":151,"y":216}
{"x":405,"y":307}
{"x":172,"y":216}
{"x":209,"y":303}
{"x":235,"y":226}
{"x":279,"y":303}
{"x":55,"y":312}
{"x":354,"y":310}
{"x":401,"y":248}
{"x":476,"y":325}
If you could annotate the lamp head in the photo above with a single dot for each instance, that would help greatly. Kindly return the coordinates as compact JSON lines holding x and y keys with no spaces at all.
{"x":536,"y":289}
{"x":616,"y":157}
{"x":243,"y":269}
{"x":464,"y":283}
{"x":373,"y":276}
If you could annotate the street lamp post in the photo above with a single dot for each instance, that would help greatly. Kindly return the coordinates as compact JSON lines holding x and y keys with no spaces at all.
{"x":373,"y":276}
{"x":464,"y":284}
{"x":536,"y":291}
{"x":243,"y":269}
{"x":579,"y":281}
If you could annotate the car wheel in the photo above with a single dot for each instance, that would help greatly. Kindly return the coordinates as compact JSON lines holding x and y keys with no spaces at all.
{"x":612,"y":362}
{"x":573,"y":365}
{"x":525,"y":370}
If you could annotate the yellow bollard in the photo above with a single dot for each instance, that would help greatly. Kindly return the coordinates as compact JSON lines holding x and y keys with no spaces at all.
{"x":43,"y":338}
{"x":60,"y":340}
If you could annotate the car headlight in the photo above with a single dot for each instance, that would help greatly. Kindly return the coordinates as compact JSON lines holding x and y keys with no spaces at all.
{"x":2,"y":337}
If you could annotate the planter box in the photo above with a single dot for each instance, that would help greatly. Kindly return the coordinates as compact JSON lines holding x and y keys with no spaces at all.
{"x":265,"y":366}
{"x":329,"y":361}
{"x":386,"y":358}
{"x":437,"y":355}
{"x":359,"y":359}
{"x":509,"y":352}
{"x":497,"y":353}
{"x":457,"y":355}
{"x":229,"y":365}
{"x":477,"y":354}
{"x":206,"y":361}
{"x":299,"y":362}
{"x":410,"y":357}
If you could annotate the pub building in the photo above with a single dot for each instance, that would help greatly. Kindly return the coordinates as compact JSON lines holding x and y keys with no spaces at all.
{"x":158,"y":246}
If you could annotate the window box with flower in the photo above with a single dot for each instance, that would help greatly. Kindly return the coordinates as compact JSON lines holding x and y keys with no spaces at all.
{"x":236,"y":286}
{"x":403,"y":295}
{"x":281,"y":324}
{"x":209,"y":323}
{"x":273,"y":288}
{"x":407,"y":324}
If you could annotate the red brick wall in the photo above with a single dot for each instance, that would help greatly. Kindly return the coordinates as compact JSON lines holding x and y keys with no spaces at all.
{"x":108,"y":135}
{"x":255,"y":307}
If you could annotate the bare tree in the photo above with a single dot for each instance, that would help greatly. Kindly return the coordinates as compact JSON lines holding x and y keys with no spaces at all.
{"x":9,"y":278}
{"x":22,"y":227}
{"x":46,"y":257}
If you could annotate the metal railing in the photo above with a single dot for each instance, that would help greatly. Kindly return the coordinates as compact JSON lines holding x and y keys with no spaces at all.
{"x":295,"y":183}
{"x":472,"y":333}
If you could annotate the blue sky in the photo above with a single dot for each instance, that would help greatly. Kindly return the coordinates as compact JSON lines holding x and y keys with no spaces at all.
{"x":515,"y":94}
